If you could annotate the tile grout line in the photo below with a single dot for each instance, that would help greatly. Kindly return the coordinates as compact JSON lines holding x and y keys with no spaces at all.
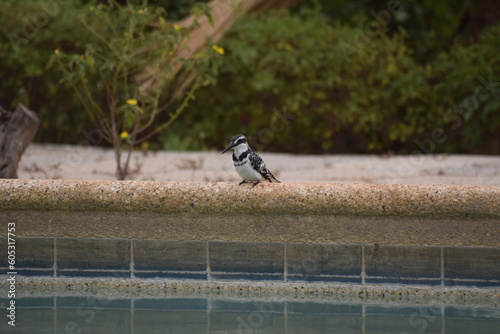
{"x":442,"y":266}
{"x":54,"y":316}
{"x":132,"y":314}
{"x":363,"y":318}
{"x":209,"y":271}
{"x":132,"y":263}
{"x":285,"y":263}
{"x":443,"y":319}
{"x":55,"y":257}
{"x":363,"y":275}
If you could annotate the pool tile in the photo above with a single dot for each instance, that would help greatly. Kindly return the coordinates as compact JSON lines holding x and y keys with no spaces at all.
{"x":471,"y":263}
{"x":400,"y":264}
{"x":323,"y":308}
{"x":35,"y":253}
{"x":171,"y":274}
{"x":246,"y":276}
{"x":247,"y":306}
{"x":31,"y":320}
{"x":311,"y":323}
{"x":184,"y":304}
{"x":160,"y":321}
{"x":92,"y":302}
{"x":402,"y":280}
{"x":237,"y":259}
{"x":166,"y":255}
{"x":95,"y":320}
{"x":34,"y":302}
{"x":323,"y":262}
{"x":402,"y":319}
{"x":92,"y":254}
{"x":35,"y":272}
{"x":94,"y":273}
{"x":472,"y":312}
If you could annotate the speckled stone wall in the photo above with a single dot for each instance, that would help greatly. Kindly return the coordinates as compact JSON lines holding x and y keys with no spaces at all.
{"x":355,"y":233}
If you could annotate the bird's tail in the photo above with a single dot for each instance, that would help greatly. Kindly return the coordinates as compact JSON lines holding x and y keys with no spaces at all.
{"x":272,"y":177}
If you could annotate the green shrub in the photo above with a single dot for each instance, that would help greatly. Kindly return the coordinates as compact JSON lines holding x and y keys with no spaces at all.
{"x":32,"y":30}
{"x":344,"y":95}
{"x":466,"y":81}
{"x":344,"y":89}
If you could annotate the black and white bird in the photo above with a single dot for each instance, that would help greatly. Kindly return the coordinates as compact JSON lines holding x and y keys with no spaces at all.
{"x":248,"y":164}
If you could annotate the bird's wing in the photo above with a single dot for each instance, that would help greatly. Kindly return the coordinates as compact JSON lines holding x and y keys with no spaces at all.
{"x":259,"y":165}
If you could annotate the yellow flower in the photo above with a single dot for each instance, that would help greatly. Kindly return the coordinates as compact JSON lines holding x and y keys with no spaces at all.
{"x":124,"y":135}
{"x":56,"y":51}
{"x":218,"y":49}
{"x":132,"y":102}
{"x":176,"y":27}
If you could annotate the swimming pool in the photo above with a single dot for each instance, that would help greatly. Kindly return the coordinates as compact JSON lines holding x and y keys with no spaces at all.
{"x":210,"y":314}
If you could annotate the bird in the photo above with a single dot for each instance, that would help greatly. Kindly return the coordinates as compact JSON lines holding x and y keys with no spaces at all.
{"x":248,"y":164}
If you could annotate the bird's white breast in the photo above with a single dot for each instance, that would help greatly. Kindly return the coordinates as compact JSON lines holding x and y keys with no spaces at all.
{"x":246,"y":171}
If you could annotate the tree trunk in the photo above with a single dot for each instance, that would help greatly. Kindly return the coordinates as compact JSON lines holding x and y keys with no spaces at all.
{"x":224,"y":13}
{"x":17,"y":130}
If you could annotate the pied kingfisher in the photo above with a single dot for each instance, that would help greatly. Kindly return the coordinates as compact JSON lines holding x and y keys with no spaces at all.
{"x":247,"y":163}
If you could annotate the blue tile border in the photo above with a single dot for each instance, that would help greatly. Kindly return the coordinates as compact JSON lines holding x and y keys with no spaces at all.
{"x":402,"y":261}
{"x":261,"y":261}
{"x":247,"y":276}
{"x":94,"y":273}
{"x":169,"y":255}
{"x":323,"y":261}
{"x":402,"y":280}
{"x":324,"y":278}
{"x":247,"y":257}
{"x":202,"y":275}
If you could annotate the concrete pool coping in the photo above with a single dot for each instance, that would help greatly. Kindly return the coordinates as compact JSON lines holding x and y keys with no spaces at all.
{"x":445,"y":201}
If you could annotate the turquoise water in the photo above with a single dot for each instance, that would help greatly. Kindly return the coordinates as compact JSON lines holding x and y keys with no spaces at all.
{"x":213,"y":315}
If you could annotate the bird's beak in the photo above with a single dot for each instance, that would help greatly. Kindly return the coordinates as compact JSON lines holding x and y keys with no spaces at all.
{"x":230,"y":146}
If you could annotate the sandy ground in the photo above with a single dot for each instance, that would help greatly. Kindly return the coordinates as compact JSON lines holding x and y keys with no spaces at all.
{"x":42,"y":161}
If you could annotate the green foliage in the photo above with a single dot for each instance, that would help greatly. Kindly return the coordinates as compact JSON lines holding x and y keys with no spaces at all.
{"x":301,"y":81}
{"x":341,"y":93}
{"x":131,"y":72}
{"x":467,"y":89}
{"x":431,"y":26}
{"x":346,"y":90}
{"x":31,"y":30}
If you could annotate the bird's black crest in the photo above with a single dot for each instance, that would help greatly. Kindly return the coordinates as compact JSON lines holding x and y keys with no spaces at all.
{"x":239,"y":139}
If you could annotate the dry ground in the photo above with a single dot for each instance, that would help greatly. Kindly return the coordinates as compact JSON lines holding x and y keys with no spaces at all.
{"x":42,"y":161}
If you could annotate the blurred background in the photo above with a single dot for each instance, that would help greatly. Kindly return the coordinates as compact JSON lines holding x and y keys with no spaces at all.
{"x":325,"y":76}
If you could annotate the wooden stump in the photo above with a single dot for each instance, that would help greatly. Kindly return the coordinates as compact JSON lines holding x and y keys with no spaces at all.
{"x":17,"y":130}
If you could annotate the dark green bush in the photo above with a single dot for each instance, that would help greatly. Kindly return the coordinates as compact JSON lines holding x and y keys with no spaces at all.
{"x":466,"y":82}
{"x":346,"y":89}
{"x":32,"y":30}
{"x":292,"y":82}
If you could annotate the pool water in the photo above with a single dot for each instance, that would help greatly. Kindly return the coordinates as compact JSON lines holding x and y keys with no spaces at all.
{"x":70,"y":314}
